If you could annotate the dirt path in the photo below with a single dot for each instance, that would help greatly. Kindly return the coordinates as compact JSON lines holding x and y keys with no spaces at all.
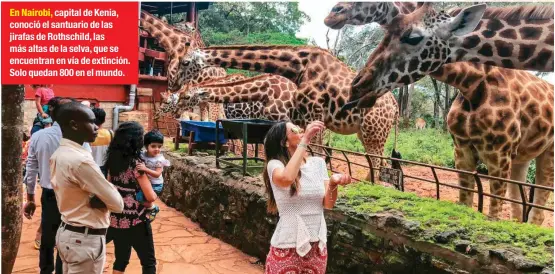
{"x":180,"y":245}
{"x":426,"y":189}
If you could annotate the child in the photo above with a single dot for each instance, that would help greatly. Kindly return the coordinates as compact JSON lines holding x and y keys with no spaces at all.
{"x":100,"y":145}
{"x":153,"y":165}
{"x":43,"y":93}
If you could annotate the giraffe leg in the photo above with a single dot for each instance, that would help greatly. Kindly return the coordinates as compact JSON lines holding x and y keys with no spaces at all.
{"x":518,"y":173}
{"x":373,"y":132}
{"x":465,"y":159}
{"x":498,"y":188}
{"x":368,"y":147}
{"x":544,"y":177}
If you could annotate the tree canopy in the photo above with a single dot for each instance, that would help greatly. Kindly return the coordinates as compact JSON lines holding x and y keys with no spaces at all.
{"x":253,"y":17}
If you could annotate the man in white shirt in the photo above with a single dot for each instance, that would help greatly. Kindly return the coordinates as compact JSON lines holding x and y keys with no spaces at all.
{"x":41,"y":146}
{"x":81,"y":238}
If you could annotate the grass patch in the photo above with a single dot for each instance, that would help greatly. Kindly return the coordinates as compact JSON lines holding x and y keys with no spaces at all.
{"x":441,"y":216}
{"x":427,"y":146}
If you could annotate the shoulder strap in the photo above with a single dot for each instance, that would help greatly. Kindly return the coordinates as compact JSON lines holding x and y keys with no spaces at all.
{"x":111,"y":134}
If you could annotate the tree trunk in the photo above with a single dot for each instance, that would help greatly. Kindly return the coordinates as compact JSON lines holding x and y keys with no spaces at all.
{"x":408,"y":106}
{"x":400,"y":99}
{"x":447,"y":107}
{"x":12,"y":199}
{"x":436,"y":104}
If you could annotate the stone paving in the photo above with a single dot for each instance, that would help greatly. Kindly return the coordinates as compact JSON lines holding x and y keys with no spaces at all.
{"x":181,"y":247}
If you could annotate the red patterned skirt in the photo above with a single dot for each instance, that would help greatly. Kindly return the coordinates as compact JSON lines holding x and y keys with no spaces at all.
{"x":287,"y":261}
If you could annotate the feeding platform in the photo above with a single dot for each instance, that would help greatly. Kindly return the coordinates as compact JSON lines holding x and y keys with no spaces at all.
{"x":202,"y":135}
{"x":250,"y":131}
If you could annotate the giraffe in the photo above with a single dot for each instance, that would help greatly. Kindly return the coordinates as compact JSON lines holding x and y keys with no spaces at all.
{"x":176,"y":40}
{"x":251,"y":110}
{"x":276,"y":95}
{"x":503,"y":117}
{"x":419,"y":123}
{"x":418,"y":43}
{"x":240,"y":110}
{"x":275,"y":92}
{"x":323,"y":82}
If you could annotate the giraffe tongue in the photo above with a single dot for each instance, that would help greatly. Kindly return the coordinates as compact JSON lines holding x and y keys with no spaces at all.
{"x":349,"y":105}
{"x":367,"y":102}
{"x":364,"y":102}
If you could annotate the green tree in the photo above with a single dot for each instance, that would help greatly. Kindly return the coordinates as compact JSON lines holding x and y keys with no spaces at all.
{"x":253,"y":17}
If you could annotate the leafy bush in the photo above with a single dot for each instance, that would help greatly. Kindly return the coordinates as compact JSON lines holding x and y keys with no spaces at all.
{"x":235,"y":37}
{"x":428,"y":146}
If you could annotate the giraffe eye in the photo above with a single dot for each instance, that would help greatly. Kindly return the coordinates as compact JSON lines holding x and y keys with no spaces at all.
{"x":337,"y":9}
{"x":412,"y":40}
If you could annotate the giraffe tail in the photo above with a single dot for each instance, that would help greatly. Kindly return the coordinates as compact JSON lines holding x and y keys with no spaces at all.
{"x":394,"y":153}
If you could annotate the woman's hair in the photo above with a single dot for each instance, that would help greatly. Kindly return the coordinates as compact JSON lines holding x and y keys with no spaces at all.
{"x":275,"y":149}
{"x":125,"y":149}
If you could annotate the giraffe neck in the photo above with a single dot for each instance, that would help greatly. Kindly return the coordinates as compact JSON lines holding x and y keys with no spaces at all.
{"x":248,"y":90}
{"x":287,"y":61}
{"x":466,"y":77}
{"x":381,"y":13}
{"x":172,"y":40}
{"x":513,"y":41}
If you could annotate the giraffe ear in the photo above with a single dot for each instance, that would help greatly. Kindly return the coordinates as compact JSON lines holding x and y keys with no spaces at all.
{"x":467,"y":20}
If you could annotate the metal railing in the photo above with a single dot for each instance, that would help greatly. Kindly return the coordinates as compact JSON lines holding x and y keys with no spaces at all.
{"x":526,"y":205}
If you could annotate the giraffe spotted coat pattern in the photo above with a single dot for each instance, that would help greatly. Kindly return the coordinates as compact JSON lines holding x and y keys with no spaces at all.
{"x":416,"y":44}
{"x":323,"y":82}
{"x":503,"y":117}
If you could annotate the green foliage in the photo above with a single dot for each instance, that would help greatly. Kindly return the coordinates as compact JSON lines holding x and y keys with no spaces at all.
{"x":253,"y":17}
{"x":531,"y":176}
{"x":441,"y":216}
{"x":240,"y":71}
{"x":428,"y":146}
{"x":235,"y":37}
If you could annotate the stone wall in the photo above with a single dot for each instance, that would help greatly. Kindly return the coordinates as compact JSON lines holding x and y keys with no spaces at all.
{"x":233,"y":208}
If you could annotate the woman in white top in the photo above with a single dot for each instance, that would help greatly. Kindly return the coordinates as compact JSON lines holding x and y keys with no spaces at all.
{"x":299,"y":189}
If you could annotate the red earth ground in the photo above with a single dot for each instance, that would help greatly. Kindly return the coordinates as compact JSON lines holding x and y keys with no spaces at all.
{"x":427,"y":189}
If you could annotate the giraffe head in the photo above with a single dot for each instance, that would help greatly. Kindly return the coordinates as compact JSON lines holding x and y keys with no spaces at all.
{"x":186,"y":26}
{"x":413,"y":46}
{"x":167,"y":105}
{"x":176,"y":76}
{"x":188,"y":68}
{"x":176,"y":41}
{"x":192,"y":97}
{"x":362,"y":13}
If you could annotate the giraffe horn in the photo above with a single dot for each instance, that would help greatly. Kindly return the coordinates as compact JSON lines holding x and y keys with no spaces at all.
{"x":421,"y":10}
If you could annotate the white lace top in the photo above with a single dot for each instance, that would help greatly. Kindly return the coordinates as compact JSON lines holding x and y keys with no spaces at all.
{"x":301,"y":216}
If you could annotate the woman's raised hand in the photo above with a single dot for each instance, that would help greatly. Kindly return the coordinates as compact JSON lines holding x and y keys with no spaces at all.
{"x":312,"y":129}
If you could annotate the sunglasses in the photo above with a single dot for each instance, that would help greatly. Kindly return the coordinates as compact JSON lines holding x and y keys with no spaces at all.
{"x":297,"y":130}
